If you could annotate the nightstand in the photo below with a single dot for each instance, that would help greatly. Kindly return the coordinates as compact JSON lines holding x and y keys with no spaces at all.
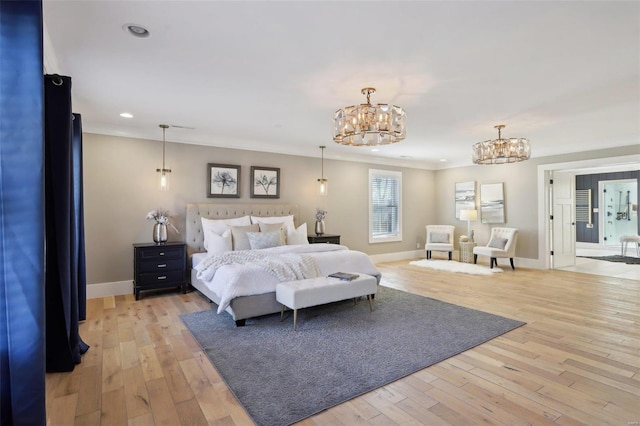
{"x":466,"y":251}
{"x":324,"y":238}
{"x":159,"y":266}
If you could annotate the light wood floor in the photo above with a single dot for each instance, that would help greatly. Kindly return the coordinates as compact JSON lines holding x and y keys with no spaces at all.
{"x":576,"y":361}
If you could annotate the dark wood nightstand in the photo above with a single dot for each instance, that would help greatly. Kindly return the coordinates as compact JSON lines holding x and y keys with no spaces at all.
{"x":324,"y":238}
{"x":159,"y":266}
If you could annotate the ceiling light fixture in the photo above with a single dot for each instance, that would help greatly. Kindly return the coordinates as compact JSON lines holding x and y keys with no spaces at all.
{"x":368,"y":125}
{"x":500,"y":151}
{"x":126,"y":115}
{"x":136,"y":30}
{"x":164,"y":172}
{"x":322,"y":182}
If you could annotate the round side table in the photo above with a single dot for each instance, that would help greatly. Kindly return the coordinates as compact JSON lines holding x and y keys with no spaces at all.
{"x":466,"y":251}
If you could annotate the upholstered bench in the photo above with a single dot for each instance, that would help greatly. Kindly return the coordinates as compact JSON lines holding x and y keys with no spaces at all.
{"x":626,"y":239}
{"x":318,"y":291}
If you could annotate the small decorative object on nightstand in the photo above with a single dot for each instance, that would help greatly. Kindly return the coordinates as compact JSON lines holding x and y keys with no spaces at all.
{"x":466,"y":251}
{"x":159,"y":266}
{"x":324,"y":238}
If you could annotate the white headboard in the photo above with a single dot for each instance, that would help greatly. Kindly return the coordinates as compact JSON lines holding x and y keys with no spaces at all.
{"x":195,"y":239}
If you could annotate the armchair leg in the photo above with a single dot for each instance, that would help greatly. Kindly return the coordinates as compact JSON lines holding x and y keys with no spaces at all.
{"x":494,"y":261}
{"x":511,"y":260}
{"x":450,"y":255}
{"x":475,"y":258}
{"x":428,"y":254}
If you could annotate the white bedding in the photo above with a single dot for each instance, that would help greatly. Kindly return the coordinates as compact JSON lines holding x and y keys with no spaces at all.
{"x":232,"y":280}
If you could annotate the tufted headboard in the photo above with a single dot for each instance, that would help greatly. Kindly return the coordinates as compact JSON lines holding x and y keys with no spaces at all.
{"x":195,"y":240}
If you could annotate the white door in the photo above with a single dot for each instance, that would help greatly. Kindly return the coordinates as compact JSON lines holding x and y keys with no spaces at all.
{"x":564,"y":223}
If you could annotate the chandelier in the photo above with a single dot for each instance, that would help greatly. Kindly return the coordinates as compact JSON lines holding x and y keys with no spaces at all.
{"x":500,"y":151}
{"x":164,"y":172}
{"x":368,"y":125}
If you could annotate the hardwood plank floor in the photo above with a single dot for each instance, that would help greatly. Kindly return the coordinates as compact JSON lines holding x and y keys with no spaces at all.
{"x":575,"y":362}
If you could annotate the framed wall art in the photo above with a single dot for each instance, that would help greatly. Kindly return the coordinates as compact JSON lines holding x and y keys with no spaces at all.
{"x":492,"y":203}
{"x":224,"y":181}
{"x":465,"y":197}
{"x":265,"y":182}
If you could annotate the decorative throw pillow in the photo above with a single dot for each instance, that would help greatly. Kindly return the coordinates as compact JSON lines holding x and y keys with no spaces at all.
{"x":270,"y":227}
{"x":439,"y":237}
{"x":263,"y":240}
{"x":287,"y":220}
{"x":219,"y":226}
{"x":219,"y":243}
{"x":497,"y":242}
{"x":239,"y":236}
{"x":298,"y":236}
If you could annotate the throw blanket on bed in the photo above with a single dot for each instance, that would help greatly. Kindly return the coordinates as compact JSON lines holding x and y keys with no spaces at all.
{"x":285,"y":267}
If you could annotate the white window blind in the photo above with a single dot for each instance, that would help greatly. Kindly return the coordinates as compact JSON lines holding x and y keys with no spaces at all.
{"x":385,"y":206}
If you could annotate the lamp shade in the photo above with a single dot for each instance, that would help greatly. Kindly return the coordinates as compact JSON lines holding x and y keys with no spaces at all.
{"x":469,"y":215}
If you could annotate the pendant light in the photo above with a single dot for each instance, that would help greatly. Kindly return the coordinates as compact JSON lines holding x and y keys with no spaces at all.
{"x":322,"y":182}
{"x":164,"y":172}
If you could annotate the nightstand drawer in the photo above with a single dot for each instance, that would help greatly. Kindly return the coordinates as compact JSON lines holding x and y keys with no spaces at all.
{"x":160,"y":278}
{"x":149,"y":253}
{"x":160,"y":265}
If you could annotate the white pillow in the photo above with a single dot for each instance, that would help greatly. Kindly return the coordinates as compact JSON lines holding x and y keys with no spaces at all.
{"x":287,"y":220}
{"x":219,"y":243}
{"x":270,"y":227}
{"x":219,"y":226}
{"x":262,"y":240}
{"x":297,"y":236}
{"x":239,"y":236}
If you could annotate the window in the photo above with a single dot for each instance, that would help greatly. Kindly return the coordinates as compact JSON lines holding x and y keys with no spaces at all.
{"x":385,"y":206}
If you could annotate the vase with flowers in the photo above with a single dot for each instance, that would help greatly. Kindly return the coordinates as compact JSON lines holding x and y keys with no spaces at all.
{"x":320,"y":214}
{"x":161,"y":217}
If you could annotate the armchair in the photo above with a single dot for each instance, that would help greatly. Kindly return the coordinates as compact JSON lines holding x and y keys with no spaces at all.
{"x":502,"y":243}
{"x":439,"y":238}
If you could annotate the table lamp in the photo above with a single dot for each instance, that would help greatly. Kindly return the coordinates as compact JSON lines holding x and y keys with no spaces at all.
{"x":469,"y":215}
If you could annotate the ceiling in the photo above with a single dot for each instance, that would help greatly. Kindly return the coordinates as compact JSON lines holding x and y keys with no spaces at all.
{"x":268,"y":75}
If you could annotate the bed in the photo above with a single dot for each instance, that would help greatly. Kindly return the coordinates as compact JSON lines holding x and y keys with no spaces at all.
{"x":243,"y":300}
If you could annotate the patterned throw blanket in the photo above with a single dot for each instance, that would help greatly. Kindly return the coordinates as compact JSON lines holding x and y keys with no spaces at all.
{"x":284,"y":267}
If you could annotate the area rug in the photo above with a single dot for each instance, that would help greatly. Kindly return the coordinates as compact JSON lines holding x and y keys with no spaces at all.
{"x":616,"y":258}
{"x":452,"y":266}
{"x":339,"y":351}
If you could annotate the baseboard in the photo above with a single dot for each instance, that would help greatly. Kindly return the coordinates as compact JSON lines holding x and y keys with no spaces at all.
{"x":109,"y":289}
{"x":392,"y":257}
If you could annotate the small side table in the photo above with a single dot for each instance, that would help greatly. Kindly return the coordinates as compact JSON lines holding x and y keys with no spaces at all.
{"x":324,"y":238}
{"x":466,"y":251}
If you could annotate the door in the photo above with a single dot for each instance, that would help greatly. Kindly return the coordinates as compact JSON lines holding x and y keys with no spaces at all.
{"x":564,"y":224}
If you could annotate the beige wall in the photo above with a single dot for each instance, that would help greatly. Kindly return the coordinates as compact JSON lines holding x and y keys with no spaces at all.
{"x":121,"y":186}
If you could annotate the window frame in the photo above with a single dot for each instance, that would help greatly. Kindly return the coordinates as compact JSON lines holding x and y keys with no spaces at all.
{"x":378,"y":173}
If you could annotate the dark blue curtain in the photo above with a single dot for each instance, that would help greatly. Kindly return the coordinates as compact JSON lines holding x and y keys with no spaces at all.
{"x":22,"y":311}
{"x":64,"y":273}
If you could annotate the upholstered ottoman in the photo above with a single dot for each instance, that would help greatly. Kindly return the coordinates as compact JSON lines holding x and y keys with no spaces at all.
{"x":626,"y":239}
{"x":318,"y":291}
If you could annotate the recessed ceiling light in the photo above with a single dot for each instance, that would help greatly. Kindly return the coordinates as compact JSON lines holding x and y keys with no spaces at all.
{"x":442,"y":160}
{"x":126,"y":115}
{"x":406,"y":156}
{"x":136,"y":30}
{"x":375,"y":150}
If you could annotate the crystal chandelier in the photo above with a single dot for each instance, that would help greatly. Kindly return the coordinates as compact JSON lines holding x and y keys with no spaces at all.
{"x":500,"y":151}
{"x":368,"y":125}
{"x":164,"y":172}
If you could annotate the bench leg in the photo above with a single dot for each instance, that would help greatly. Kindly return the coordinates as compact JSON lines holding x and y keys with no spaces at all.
{"x":282,"y":314}
{"x":369,"y":298}
{"x":295,"y":319}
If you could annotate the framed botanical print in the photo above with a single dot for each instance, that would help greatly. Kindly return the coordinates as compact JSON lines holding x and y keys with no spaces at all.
{"x":465,"y":197}
{"x":224,"y":181}
{"x":265,"y":182}
{"x":492,"y":203}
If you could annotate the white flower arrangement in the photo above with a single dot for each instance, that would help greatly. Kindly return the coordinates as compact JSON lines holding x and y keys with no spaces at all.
{"x":320,"y":214}
{"x":161,"y":216}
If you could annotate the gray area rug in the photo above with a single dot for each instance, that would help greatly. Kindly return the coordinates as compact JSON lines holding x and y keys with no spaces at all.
{"x":339,"y":351}
{"x":617,"y":258}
